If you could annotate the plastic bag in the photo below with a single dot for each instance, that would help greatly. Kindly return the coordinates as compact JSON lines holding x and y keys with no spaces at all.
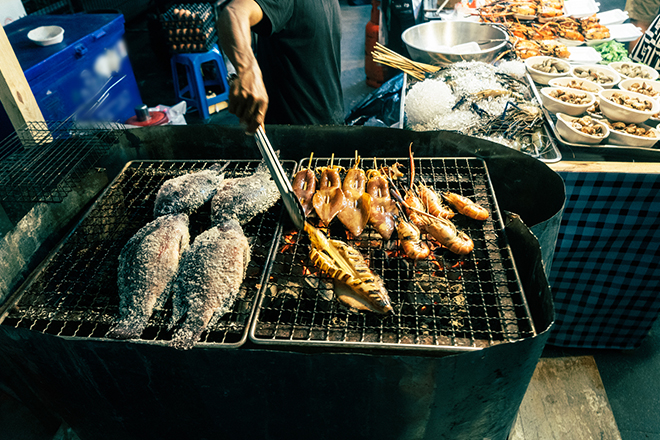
{"x":380,"y":107}
{"x":174,"y":113}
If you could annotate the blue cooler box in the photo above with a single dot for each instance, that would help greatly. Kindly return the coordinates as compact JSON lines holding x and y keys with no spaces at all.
{"x":87,"y":76}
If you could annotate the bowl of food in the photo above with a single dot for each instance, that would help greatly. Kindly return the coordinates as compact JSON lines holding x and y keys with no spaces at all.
{"x":575,"y":83}
{"x":582,"y":130}
{"x":568,"y":101}
{"x":542,"y":69}
{"x":626,"y":106}
{"x":634,"y":70}
{"x":601,"y":75}
{"x":440,"y":42}
{"x":46,"y":35}
{"x":643,"y":86}
{"x":633,"y":135}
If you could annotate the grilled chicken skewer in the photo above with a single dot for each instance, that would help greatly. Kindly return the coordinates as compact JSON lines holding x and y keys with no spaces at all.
{"x":329,"y":199}
{"x":358,"y":203}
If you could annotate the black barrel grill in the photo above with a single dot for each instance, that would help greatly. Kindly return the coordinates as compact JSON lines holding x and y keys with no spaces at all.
{"x":394,"y":378}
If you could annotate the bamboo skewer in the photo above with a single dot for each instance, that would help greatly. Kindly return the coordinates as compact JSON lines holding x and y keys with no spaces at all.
{"x":417,"y":70}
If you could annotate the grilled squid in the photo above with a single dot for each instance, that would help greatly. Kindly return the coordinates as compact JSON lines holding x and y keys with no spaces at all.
{"x":466,"y":206}
{"x":304,"y":187}
{"x":358,"y":203}
{"x":383,"y":207}
{"x":329,"y":199}
{"x":355,"y":284}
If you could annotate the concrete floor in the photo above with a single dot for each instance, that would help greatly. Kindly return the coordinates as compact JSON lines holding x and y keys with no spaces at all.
{"x":630,"y":378}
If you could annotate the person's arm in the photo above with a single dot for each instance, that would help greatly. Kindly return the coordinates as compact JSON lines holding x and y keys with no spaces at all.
{"x":247,"y":96}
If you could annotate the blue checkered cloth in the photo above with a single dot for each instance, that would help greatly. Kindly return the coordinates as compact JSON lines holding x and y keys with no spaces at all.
{"x":605,"y":274}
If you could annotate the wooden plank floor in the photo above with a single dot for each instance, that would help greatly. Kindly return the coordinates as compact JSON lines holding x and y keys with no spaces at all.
{"x":565,"y":400}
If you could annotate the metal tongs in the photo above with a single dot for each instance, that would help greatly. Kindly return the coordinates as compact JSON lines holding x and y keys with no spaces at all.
{"x":291,"y":202}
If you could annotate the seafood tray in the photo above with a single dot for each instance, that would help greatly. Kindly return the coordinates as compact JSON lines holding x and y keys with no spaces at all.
{"x":547,"y":151}
{"x":443,"y":303}
{"x":551,"y":119}
{"x":74,"y":291}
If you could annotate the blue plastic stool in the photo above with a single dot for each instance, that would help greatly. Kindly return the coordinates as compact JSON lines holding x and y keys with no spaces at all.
{"x":194,"y":90}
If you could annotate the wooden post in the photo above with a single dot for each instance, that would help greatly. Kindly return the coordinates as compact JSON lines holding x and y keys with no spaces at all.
{"x":15,"y":92}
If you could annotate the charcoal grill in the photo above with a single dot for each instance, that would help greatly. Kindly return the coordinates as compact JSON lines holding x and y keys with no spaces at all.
{"x":74,"y":294}
{"x":106,"y":389}
{"x":447,"y":302}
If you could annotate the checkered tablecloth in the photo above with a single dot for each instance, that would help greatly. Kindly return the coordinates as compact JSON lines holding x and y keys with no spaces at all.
{"x":605,"y":274}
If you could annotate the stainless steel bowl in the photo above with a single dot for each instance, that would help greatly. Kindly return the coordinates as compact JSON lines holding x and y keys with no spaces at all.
{"x":424,"y":41}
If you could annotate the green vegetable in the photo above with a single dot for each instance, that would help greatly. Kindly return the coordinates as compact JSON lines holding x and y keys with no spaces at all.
{"x":612,"y":51}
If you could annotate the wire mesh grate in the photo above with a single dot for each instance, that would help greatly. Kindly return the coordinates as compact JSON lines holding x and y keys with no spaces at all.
{"x":75,"y":292}
{"x":447,"y":301}
{"x":45,"y":161}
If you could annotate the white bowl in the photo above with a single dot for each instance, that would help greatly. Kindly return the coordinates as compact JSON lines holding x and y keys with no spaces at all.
{"x":572,"y":134}
{"x":620,"y":138}
{"x":46,"y":35}
{"x":627,"y":84}
{"x":652,"y":73}
{"x":543,"y":77}
{"x":597,"y":71}
{"x":618,"y":112}
{"x":585,"y":85}
{"x":557,"y":106}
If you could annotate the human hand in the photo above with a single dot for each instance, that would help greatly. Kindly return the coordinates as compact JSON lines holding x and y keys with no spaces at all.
{"x":248,"y":99}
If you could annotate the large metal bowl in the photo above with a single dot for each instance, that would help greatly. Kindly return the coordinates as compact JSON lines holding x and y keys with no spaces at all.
{"x":423,"y":41}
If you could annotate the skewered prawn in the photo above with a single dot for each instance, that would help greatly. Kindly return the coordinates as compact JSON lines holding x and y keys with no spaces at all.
{"x":411,"y":242}
{"x":433,"y":203}
{"x":355,"y":284}
{"x":358,"y":203}
{"x":446,"y":233}
{"x":329,"y":199}
{"x":466,"y":206}
{"x":304,"y":187}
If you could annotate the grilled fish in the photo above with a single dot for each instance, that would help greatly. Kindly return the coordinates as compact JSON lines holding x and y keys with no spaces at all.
{"x":148,"y":264}
{"x":210,"y":275}
{"x":243,"y":198}
{"x":184,"y":194}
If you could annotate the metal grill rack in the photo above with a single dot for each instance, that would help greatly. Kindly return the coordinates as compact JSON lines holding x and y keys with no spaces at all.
{"x":447,"y":302}
{"x":74,"y":292}
{"x":44,"y":161}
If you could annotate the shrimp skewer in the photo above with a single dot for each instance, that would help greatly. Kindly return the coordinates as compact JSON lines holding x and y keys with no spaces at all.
{"x":358,"y":203}
{"x":466,"y":206}
{"x":411,"y":242}
{"x":329,"y":199}
{"x":433,"y":203}
{"x":304,"y":187}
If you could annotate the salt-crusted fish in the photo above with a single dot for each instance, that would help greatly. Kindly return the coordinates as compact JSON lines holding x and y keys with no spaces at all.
{"x":243,"y":198}
{"x":210,"y":276}
{"x":148,"y":264}
{"x":184,"y":194}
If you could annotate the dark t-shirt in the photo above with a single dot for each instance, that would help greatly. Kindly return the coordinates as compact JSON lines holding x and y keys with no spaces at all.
{"x":300,"y":61}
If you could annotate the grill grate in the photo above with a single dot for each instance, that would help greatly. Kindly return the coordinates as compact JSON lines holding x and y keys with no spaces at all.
{"x":43,"y":162}
{"x":75,"y":292}
{"x":447,"y":302}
